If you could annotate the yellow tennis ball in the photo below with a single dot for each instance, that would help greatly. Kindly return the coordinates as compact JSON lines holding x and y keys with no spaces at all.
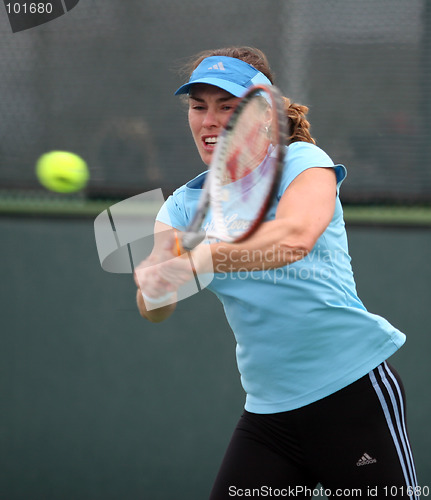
{"x":62,"y":171}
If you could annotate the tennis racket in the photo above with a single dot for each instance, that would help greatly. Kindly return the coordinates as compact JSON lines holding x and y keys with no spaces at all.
{"x":244,"y":170}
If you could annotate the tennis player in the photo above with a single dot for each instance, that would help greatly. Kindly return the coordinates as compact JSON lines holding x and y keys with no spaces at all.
{"x":322,"y":403}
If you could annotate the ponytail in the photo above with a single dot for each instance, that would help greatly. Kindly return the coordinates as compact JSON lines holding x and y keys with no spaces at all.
{"x":299,"y":126}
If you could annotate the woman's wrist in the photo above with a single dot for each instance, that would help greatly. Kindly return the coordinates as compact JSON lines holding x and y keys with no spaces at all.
{"x":158,"y":300}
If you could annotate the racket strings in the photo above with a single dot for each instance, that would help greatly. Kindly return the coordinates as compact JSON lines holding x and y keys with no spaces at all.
{"x":247,"y":148}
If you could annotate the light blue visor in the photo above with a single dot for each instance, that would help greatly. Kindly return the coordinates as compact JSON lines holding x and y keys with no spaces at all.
{"x":228,"y":73}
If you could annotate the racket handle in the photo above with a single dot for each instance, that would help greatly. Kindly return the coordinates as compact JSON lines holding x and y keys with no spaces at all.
{"x":191,"y":240}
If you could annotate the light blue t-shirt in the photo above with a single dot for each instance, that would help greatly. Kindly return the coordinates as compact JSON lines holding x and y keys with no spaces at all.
{"x":302,"y":333}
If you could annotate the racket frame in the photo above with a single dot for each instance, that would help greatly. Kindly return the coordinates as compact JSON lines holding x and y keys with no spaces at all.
{"x":193,"y":234}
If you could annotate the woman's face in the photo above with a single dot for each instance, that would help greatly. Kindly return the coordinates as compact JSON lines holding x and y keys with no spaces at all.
{"x":209,"y":111}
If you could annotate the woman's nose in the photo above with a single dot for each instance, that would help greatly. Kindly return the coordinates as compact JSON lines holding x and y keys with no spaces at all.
{"x":210,"y":119}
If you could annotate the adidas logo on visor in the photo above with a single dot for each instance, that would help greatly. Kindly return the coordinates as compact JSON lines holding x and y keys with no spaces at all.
{"x":218,"y":66}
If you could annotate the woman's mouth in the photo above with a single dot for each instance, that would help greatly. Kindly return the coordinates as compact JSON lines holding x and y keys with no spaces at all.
{"x":209,"y":142}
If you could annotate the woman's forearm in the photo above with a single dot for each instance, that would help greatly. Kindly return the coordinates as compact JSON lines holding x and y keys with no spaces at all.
{"x":275,"y":244}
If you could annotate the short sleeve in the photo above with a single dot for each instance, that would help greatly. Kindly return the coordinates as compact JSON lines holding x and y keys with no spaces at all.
{"x":303,"y":155}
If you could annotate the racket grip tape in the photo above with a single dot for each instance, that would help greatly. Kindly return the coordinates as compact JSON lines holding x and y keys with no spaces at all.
{"x":181,"y":247}
{"x":192,"y":240}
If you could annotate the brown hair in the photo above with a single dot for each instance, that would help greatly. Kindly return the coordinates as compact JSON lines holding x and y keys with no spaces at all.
{"x":299,"y":126}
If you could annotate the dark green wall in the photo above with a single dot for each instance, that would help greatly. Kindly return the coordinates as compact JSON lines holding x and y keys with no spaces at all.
{"x":96,"y":403}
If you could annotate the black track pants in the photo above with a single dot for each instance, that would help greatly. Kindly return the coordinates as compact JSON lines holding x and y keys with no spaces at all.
{"x":354,"y":443}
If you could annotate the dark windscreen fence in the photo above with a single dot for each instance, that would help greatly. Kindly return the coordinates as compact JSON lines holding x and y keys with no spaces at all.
{"x":99,"y":81}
